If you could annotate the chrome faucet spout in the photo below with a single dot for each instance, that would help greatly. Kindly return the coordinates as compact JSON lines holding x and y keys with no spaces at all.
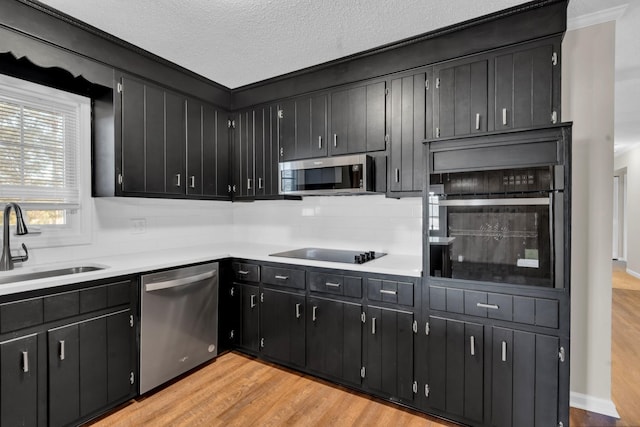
{"x":6,"y":261}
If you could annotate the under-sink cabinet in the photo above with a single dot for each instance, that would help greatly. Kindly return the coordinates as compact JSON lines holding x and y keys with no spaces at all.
{"x":68,"y":356}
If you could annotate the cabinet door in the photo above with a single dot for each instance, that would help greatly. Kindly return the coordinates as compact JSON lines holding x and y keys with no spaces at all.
{"x":215,"y":149}
{"x":245,"y":153}
{"x":524,"y":88}
{"x":19,"y":381}
{"x":121,"y":355}
{"x":64,"y":375}
{"x":408,"y":109}
{"x":230,"y":315}
{"x":524,"y":386}
{"x":456,"y":368}
{"x":375,"y":119}
{"x":175,"y":142}
{"x":461,"y":101}
{"x":282,"y":326}
{"x":389,"y":340}
{"x":133,"y":135}
{"x":153,"y":140}
{"x":195,"y":147}
{"x":250,"y":317}
{"x":223,"y":158}
{"x":287,"y":123}
{"x":339,"y":123}
{"x":334,"y":338}
{"x":266,"y":149}
{"x":318,"y":126}
{"x":261,"y":124}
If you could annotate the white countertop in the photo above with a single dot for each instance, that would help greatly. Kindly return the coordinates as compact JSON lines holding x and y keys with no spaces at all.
{"x":401,"y":265}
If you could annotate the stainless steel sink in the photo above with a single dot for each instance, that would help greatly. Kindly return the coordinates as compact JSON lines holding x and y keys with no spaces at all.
{"x":47,"y":273}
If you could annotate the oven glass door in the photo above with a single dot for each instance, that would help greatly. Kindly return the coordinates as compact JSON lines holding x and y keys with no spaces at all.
{"x":501,"y":240}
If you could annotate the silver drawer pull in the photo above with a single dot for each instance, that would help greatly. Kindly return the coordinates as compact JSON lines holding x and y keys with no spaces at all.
{"x":282,"y":277}
{"x":25,"y":361}
{"x":242,"y":272}
{"x":333,"y":285}
{"x":253,"y":301}
{"x":177,"y":180}
{"x":385,"y":291}
{"x":61,"y":349}
{"x":373,"y":326}
{"x":297,"y":311}
{"x":313,"y":313}
{"x":491,"y":306}
{"x":335,"y":139}
{"x":504,"y":116}
{"x":472,"y":340}
{"x":192,"y":181}
{"x":504,"y":351}
{"x":320,"y":142}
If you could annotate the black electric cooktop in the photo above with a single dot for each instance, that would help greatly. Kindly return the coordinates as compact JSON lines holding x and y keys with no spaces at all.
{"x":331,"y":255}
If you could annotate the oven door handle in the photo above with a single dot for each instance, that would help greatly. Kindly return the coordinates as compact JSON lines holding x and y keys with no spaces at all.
{"x":174,"y":283}
{"x":513,"y":201}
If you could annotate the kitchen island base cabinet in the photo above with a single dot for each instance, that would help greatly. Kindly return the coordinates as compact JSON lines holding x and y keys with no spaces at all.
{"x":389,"y":352}
{"x":19,"y":384}
{"x":334,"y":339}
{"x":282,"y":326}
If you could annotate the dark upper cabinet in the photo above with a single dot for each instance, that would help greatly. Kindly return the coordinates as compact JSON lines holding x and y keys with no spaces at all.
{"x":282,"y":326}
{"x":389,"y":352}
{"x":303,"y":127}
{"x":334,"y":339}
{"x":19,"y":381}
{"x":411,"y":116}
{"x":266,"y":151}
{"x":171,"y":145}
{"x":244,"y":154}
{"x":460,"y":103}
{"x":358,"y":119}
{"x":455,"y":368}
{"x":526,"y":87}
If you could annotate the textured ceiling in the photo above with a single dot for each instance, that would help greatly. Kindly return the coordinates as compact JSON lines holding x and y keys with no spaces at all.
{"x":237,"y":42}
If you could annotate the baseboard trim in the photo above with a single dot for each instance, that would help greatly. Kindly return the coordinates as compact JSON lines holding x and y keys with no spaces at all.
{"x":593,"y":404}
{"x":633,"y":273}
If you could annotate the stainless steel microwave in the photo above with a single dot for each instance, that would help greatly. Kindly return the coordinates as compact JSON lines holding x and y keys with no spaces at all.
{"x":327,"y":176}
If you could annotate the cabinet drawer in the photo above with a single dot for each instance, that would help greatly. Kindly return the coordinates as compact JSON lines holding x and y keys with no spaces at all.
{"x":287,"y":277}
{"x":486,"y":304}
{"x":390,"y":291}
{"x":61,"y":306}
{"x":246,"y":272}
{"x":349,"y":286}
{"x":20,"y":314}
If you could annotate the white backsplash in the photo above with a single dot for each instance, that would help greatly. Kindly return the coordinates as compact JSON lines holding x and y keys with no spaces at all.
{"x":130,"y":225}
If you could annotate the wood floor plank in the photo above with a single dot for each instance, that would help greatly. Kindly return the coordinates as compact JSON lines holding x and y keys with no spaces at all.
{"x":238,"y":390}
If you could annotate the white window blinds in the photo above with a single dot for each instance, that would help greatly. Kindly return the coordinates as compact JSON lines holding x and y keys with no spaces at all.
{"x":39,"y":145}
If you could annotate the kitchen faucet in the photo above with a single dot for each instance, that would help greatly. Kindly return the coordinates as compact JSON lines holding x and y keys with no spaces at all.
{"x":6,"y":261}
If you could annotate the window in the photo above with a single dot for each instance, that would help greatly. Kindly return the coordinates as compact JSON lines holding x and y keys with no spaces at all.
{"x":434,"y":212}
{"x":44,"y":160}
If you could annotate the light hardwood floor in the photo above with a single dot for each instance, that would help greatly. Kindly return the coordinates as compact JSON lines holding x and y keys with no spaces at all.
{"x":237,"y":390}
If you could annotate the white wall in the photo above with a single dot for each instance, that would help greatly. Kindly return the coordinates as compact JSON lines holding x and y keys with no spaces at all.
{"x":588,"y":101}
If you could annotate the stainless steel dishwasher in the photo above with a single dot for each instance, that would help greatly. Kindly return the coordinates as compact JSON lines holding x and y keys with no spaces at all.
{"x":179,"y":322}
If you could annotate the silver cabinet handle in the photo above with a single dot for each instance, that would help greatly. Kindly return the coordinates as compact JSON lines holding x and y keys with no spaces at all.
{"x":192,"y":181}
{"x":385,"y":291}
{"x":320,"y":142}
{"x":478,"y":121}
{"x":178,"y":180}
{"x":472,"y":340}
{"x":297,"y":311}
{"x":25,"y":361}
{"x":248,"y":183}
{"x":243,"y":273}
{"x":282,"y":277}
{"x":150,"y":287}
{"x":333,"y":285}
{"x":260,"y":185}
{"x":373,"y":326}
{"x":504,"y":116}
{"x":504,"y":351}
{"x":335,"y":139}
{"x":61,"y":349}
{"x":397,"y":174}
{"x":313,"y":313}
{"x":253,"y":301}
{"x":491,"y":306}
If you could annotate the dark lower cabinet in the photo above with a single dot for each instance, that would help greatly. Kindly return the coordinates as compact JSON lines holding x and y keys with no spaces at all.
{"x":229,"y":316}
{"x":456,"y":368}
{"x":249,"y":317}
{"x":282,"y":326}
{"x":19,"y":383}
{"x":389,"y":358}
{"x":90,"y":366}
{"x":334,"y":339}
{"x":524,"y":378}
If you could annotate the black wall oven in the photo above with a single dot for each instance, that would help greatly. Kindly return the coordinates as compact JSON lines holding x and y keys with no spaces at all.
{"x":496,"y":217}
